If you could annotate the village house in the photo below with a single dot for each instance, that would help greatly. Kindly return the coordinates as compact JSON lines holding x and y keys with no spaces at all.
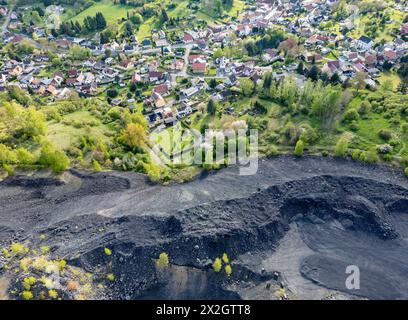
{"x":188,"y":93}
{"x":365,"y":43}
{"x":155,"y":76}
{"x":198,"y":67}
{"x":162,"y":89}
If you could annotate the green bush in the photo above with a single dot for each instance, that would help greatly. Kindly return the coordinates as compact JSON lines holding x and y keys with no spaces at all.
{"x":309,"y":134}
{"x":54,"y":159}
{"x":9,"y":169}
{"x":385,"y":134}
{"x":406,"y":171}
{"x":271,"y":150}
{"x":350,"y":115}
{"x":299,"y":148}
{"x":7,"y":155}
{"x":341,"y":147}
{"x":404,"y":128}
{"x":356,"y":154}
{"x":24,"y":157}
{"x":96,"y":166}
{"x":369,"y":156}
{"x":364,"y":108}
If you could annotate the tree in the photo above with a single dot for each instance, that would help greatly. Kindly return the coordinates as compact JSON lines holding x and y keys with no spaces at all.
{"x":165,"y":17}
{"x":134,"y":135}
{"x":326,"y":103}
{"x":300,"y":68}
{"x":211,"y":107}
{"x":335,"y":79}
{"x":341,"y":147}
{"x":247,"y":87}
{"x":299,"y":148}
{"x":112,"y":93}
{"x":128,"y":29}
{"x":314,"y":73}
{"x":78,"y":53}
{"x":267,"y":81}
{"x":213,"y":83}
{"x":359,"y":81}
{"x":100,"y":21}
{"x":136,"y":19}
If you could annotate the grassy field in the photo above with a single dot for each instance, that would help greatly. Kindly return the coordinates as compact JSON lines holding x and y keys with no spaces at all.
{"x":145,"y":29}
{"x":389,"y":76}
{"x":111,"y":11}
{"x":236,"y":8}
{"x":65,"y":135}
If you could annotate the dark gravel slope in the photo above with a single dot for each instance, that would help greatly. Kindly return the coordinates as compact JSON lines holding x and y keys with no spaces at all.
{"x":305,"y":218}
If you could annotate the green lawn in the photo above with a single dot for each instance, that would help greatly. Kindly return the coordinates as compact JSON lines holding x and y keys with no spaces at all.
{"x":64,"y":135}
{"x":145,"y":29}
{"x":111,"y":11}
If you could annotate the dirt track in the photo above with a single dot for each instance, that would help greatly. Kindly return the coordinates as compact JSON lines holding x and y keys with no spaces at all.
{"x":305,"y":218}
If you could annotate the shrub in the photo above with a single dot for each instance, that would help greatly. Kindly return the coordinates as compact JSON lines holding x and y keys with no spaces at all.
{"x":9,"y":169}
{"x":364,"y":108}
{"x":384,"y":148}
{"x":225,"y":258}
{"x":96,"y":166}
{"x":350,"y":115}
{"x":112,"y":93}
{"x":385,"y":134}
{"x":27,"y":295}
{"x":354,"y":126}
{"x":271,"y":150}
{"x":299,"y":148}
{"x":356,"y":154}
{"x":25,"y":157}
{"x":18,"y":248}
{"x":54,"y":159}
{"x":53,"y":294}
{"x":7,"y":156}
{"x":217,"y":265}
{"x":369,"y":156}
{"x":228,"y":270}
{"x":309,"y":134}
{"x":406,"y":171}
{"x":107,"y":251}
{"x":341,"y":147}
{"x":163,"y":260}
{"x":404,"y":128}
{"x":110,"y":277}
